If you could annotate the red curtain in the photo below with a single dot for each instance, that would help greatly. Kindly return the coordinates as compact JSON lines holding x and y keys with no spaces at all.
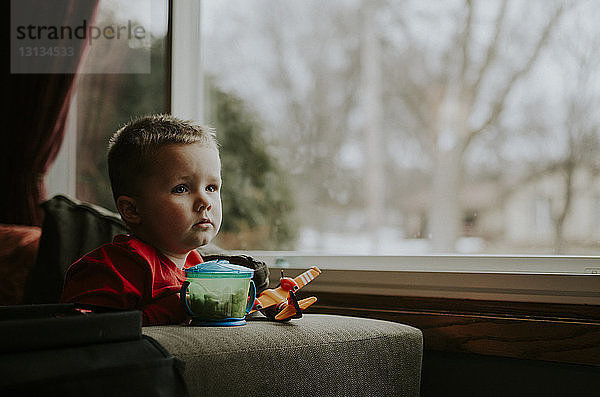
{"x":38,"y":106}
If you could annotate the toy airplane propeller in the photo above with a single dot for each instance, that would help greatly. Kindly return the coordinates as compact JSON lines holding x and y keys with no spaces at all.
{"x":281,"y":303}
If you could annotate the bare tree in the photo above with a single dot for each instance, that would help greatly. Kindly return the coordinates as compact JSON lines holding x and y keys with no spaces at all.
{"x":464,"y":96}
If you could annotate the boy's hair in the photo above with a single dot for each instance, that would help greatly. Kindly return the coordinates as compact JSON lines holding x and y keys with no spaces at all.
{"x":132,"y":149}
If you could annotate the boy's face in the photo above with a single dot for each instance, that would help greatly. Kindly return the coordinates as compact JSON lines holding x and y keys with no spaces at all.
{"x":179,"y":204}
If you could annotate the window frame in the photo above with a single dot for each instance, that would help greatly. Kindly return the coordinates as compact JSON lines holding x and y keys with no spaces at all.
{"x":543,"y":279}
{"x":187,"y":89}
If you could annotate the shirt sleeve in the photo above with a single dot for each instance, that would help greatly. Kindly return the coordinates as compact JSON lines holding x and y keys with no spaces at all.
{"x":115,"y":277}
{"x":95,"y":280}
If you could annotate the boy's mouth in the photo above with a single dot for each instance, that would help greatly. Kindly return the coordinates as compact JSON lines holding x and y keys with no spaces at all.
{"x":204,"y":222}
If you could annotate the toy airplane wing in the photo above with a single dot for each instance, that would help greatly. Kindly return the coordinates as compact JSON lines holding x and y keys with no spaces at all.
{"x":307,"y":276}
{"x":278,"y":295}
{"x":290,"y":310}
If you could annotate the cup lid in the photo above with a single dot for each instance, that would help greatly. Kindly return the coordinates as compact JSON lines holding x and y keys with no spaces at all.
{"x":220,"y":268}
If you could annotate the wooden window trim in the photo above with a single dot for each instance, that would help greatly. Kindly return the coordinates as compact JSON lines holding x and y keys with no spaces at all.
{"x":548,"y":331}
{"x":551,"y":332}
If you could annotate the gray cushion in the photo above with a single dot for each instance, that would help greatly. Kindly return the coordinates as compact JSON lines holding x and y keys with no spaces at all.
{"x":318,"y":355}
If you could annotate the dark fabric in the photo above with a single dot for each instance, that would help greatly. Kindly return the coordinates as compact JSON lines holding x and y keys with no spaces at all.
{"x":37,"y":112}
{"x":129,"y":368}
{"x":70,"y":350}
{"x":261,"y":270}
{"x":318,"y":355}
{"x":64,"y":325}
{"x":71,"y":229}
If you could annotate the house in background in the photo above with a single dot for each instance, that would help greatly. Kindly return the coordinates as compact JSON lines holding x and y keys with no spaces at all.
{"x":521,"y":215}
{"x":533,"y":210}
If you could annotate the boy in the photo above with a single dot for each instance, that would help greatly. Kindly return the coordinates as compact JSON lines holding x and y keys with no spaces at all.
{"x":166,"y":180}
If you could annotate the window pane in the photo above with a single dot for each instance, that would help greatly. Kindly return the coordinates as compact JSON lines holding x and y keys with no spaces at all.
{"x":410,"y":127}
{"x":119,"y":80}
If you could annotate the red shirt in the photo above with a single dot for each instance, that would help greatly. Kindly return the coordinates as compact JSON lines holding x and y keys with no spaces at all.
{"x":130,"y":274}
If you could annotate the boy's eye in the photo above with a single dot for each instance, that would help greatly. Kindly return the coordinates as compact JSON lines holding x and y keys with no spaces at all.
{"x":179,"y":189}
{"x":212,"y":188}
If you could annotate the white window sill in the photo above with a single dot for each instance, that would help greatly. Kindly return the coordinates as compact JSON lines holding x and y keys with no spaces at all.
{"x":541,"y":279}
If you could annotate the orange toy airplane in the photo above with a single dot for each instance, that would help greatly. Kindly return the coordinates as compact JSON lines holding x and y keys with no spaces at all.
{"x":282,"y":302}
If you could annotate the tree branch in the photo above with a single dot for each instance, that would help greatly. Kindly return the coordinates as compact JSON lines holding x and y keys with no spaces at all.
{"x":492,"y":48}
{"x":501,"y":102}
{"x":466,"y":41}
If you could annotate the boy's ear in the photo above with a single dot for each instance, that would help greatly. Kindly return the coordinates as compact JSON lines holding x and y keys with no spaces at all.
{"x":127,"y":208}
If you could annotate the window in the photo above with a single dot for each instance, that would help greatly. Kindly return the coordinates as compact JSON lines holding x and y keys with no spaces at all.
{"x":408,"y":127}
{"x":416,"y":138}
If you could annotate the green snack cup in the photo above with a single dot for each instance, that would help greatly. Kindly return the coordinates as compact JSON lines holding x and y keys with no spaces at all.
{"x":218,"y":293}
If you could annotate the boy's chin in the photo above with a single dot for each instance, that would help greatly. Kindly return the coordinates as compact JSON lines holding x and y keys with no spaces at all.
{"x":203,"y":241}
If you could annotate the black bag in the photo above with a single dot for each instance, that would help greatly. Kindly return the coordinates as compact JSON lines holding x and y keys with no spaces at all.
{"x":71,"y":229}
{"x":79,"y":350}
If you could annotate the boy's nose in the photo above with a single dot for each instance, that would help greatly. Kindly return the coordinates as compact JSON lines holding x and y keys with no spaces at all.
{"x":201,"y":204}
